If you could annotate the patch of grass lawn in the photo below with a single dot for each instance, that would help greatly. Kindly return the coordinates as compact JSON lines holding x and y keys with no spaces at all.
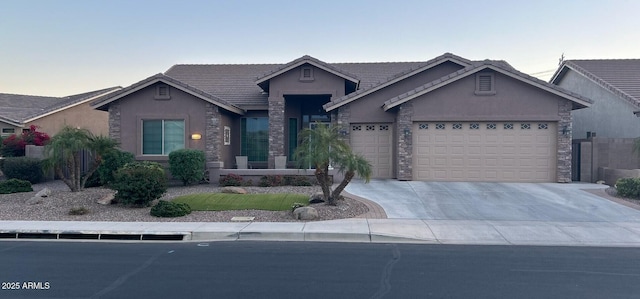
{"x":225,"y":202}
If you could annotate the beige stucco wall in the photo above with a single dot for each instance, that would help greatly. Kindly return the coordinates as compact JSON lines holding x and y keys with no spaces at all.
{"x":82,"y":116}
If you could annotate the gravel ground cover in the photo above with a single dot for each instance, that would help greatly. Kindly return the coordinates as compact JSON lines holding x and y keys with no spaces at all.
{"x":57,"y":206}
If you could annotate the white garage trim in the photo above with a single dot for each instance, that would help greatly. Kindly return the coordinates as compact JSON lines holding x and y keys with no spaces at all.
{"x":485,"y":151}
{"x":373,"y":141}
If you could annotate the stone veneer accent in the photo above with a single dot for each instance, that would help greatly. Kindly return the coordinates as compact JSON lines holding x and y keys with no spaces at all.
{"x":212,"y":133}
{"x":276,"y":129}
{"x":404,"y":131}
{"x":563,"y":170}
{"x":342,"y":120}
{"x":114,"y":122}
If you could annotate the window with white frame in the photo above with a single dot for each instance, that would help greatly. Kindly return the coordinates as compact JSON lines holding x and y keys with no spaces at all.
{"x":162,"y":136}
{"x":8,"y":131}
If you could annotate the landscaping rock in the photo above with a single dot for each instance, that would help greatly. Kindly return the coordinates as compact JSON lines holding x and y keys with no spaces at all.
{"x":35,"y":200}
{"x":305,"y":213}
{"x":318,"y":197}
{"x":46,"y":192}
{"x":233,"y":190}
{"x":107,"y":199}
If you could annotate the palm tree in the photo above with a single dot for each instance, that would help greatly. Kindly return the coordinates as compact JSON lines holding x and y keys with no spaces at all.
{"x":64,"y":155}
{"x":324,"y":145}
{"x":352,"y":164}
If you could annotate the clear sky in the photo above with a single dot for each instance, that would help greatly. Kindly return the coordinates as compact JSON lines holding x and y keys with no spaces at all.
{"x":65,"y":47}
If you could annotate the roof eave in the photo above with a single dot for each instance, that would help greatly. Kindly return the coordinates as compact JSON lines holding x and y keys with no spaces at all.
{"x":300,"y":63}
{"x":72,"y":105}
{"x":103,"y":104}
{"x":582,"y":104}
{"x":328,"y":107}
{"x":11,"y":122}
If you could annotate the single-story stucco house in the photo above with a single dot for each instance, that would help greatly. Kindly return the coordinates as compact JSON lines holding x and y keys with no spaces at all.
{"x":604,"y":135}
{"x":51,"y":114}
{"x":445,"y":119}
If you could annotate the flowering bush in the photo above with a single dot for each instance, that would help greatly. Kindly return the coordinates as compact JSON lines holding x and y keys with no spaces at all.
{"x":13,"y":146}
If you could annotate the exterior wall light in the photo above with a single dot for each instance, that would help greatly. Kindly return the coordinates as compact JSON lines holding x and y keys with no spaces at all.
{"x":196,"y":136}
{"x":566,"y":130}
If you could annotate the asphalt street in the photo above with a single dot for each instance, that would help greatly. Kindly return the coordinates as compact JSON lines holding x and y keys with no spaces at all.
{"x":313,"y":270}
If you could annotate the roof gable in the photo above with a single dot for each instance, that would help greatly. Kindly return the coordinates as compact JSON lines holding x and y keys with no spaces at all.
{"x":619,"y":76}
{"x":497,"y":66}
{"x":263,"y":80}
{"x":20,"y":109}
{"x":446,"y":57}
{"x":103,"y":102}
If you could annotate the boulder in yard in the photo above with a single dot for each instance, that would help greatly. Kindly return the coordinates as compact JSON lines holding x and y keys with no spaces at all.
{"x":46,"y":192}
{"x":318,"y":197}
{"x":233,"y":190}
{"x":107,"y":199}
{"x":35,"y":200}
{"x":305,"y":213}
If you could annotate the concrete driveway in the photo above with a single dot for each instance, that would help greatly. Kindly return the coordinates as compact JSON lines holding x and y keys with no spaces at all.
{"x":492,"y":201}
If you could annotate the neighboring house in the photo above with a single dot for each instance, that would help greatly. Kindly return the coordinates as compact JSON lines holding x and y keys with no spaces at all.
{"x":446,"y":119}
{"x":18,"y":112}
{"x":614,"y":87}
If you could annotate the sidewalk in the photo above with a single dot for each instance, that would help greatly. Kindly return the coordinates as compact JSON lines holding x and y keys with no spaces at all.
{"x":618,"y":234}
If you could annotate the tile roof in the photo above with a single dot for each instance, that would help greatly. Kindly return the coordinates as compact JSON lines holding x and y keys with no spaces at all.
{"x":102,"y":102}
{"x":421,"y":66}
{"x":23,"y":108}
{"x":302,"y":60}
{"x":236,"y":83}
{"x":497,"y":65}
{"x":620,"y":76}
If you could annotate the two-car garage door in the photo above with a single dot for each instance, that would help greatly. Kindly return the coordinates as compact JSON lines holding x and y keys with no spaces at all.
{"x":484,"y":151}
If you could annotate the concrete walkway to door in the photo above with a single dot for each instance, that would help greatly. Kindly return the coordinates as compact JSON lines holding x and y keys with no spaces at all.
{"x":492,"y":201}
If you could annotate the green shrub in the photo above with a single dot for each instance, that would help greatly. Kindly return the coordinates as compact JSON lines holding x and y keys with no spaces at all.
{"x":187,"y":165}
{"x":628,"y":187}
{"x":111,"y":162}
{"x":139,"y":183}
{"x":231,"y":180}
{"x":170,"y":209}
{"x":297,"y":180}
{"x":271,"y":181}
{"x":15,"y":186}
{"x":23,"y":168}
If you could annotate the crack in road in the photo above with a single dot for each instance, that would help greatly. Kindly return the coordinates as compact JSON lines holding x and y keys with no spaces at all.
{"x":122,"y":279}
{"x":385,"y":284}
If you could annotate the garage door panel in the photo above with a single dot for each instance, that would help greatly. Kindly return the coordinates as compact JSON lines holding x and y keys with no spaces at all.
{"x":374,"y":142}
{"x":489,"y":151}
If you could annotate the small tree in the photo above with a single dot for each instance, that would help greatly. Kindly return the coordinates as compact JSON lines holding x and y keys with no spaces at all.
{"x":64,"y":154}
{"x":187,"y":165}
{"x":323,"y":146}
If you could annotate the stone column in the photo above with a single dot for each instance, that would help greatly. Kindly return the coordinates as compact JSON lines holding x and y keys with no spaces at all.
{"x":212,"y":133}
{"x":563,"y":164}
{"x":276,"y":129}
{"x":342,"y":120}
{"x":404,"y":131}
{"x":114,"y":122}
